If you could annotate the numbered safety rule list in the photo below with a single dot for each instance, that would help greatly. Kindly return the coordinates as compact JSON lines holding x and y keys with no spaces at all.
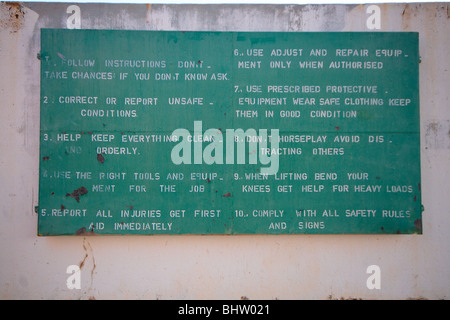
{"x":168,"y":132}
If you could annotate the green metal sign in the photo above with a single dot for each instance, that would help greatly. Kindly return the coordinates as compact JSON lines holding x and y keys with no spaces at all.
{"x":155,"y":132}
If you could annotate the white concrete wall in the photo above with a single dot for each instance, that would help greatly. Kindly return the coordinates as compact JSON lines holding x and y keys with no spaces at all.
{"x":218,"y":267}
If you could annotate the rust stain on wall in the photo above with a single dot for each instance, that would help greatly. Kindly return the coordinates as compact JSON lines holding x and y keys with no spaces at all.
{"x":12,"y":16}
{"x":149,"y":12}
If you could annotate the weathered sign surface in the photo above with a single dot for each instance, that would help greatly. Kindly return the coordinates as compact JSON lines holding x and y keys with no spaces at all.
{"x":162,"y":132}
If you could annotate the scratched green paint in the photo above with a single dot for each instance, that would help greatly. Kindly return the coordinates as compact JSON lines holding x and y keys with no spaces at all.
{"x":84,"y":189}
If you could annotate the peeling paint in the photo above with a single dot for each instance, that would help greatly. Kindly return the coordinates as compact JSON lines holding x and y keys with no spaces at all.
{"x":77,"y":193}
{"x":418,"y":224}
{"x":100,"y":158}
{"x":82,"y":232}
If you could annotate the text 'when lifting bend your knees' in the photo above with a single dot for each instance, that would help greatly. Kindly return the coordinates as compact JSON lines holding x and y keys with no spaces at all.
{"x":190,"y":149}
